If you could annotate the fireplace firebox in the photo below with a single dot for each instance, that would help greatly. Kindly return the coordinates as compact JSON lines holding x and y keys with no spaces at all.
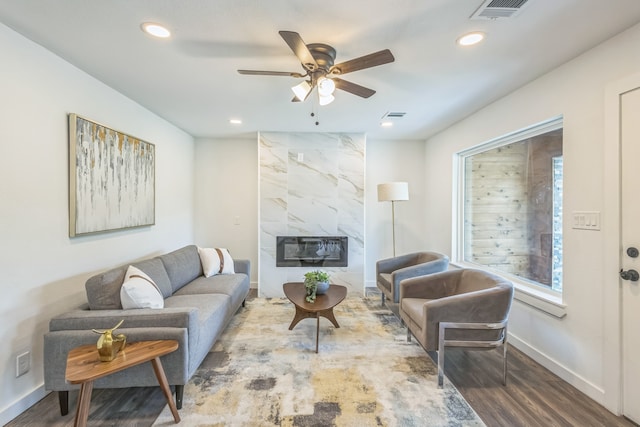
{"x":312,"y":251}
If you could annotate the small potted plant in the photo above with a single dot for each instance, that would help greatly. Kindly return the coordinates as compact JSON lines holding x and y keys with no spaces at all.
{"x":316,"y":283}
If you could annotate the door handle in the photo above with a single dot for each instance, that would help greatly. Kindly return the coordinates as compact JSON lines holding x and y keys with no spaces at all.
{"x":632,"y":275}
{"x":633,"y":252}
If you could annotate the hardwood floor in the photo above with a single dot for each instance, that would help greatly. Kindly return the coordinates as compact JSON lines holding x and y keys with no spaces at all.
{"x":130,"y":407}
{"x":533,"y":397}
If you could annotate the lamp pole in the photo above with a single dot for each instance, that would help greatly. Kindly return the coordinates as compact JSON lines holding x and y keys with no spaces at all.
{"x":393,"y":192}
{"x":393,"y":225}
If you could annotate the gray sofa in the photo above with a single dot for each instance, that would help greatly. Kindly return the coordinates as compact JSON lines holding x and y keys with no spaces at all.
{"x":196,"y":311}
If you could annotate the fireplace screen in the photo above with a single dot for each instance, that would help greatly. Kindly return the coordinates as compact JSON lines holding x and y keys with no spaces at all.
{"x":312,"y":251}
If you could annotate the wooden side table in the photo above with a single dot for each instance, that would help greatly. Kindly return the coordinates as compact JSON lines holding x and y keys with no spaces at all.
{"x":322,"y":307}
{"x":84,"y":367}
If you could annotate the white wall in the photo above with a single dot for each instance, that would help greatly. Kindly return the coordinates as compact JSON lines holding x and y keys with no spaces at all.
{"x":226,"y":201}
{"x":573,"y":346}
{"x":389,"y":161}
{"x":42,"y":269}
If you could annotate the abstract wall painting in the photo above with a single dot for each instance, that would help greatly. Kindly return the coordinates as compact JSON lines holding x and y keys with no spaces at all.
{"x":111,"y":179}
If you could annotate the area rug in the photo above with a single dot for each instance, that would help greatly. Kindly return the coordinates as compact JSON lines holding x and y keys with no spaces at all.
{"x":365,"y":374}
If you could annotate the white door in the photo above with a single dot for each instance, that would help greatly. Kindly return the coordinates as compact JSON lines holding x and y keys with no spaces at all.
{"x":630,"y":239}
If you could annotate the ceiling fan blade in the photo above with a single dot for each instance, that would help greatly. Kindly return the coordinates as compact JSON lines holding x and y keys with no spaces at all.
{"x":270,"y":73}
{"x":353,"y":88}
{"x":300,"y":49}
{"x":367,"y":61}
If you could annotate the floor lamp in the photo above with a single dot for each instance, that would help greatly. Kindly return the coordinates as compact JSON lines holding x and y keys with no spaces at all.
{"x":393,"y":192}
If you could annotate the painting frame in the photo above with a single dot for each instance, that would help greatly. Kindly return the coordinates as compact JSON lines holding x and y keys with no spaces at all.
{"x":111,"y":179}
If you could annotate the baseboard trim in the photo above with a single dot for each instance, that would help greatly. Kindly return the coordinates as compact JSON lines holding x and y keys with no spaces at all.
{"x":594,"y":392}
{"x":22,"y":404}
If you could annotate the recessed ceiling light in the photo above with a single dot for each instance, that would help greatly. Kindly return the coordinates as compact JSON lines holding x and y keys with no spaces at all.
{"x":235,"y":121}
{"x":155,"y":30}
{"x":386,"y":124}
{"x":470,"y":39}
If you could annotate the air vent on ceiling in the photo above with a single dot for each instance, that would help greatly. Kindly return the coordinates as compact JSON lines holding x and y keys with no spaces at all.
{"x":393,"y":115}
{"x":497,"y":9}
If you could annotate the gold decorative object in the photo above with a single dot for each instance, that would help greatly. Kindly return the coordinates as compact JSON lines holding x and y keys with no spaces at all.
{"x":108,"y":344}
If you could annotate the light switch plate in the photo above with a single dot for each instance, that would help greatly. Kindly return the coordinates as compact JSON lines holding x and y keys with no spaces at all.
{"x":586,"y":220}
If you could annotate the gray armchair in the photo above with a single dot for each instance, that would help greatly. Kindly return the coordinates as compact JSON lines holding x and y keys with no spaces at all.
{"x":458,"y":308}
{"x":390,"y":271}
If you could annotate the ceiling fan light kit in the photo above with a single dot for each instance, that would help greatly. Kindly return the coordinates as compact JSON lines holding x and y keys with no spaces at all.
{"x":326,"y":86}
{"x":301,"y":90}
{"x":326,"y":99}
{"x":317,"y":60}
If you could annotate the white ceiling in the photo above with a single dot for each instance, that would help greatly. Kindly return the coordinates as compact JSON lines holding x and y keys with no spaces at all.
{"x":191,"y":79}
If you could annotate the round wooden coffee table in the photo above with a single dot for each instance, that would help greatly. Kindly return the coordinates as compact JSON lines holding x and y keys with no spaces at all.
{"x":322,"y":307}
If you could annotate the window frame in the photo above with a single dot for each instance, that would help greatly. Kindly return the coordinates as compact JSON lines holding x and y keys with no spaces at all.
{"x":536,"y":295}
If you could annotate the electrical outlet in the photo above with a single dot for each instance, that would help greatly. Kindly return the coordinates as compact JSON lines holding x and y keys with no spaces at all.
{"x":23,"y":363}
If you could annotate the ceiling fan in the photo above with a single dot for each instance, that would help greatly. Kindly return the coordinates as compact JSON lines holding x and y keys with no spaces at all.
{"x":317,"y":60}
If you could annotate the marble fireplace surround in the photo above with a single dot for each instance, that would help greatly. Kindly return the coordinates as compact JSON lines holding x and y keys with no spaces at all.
{"x":310,"y":184}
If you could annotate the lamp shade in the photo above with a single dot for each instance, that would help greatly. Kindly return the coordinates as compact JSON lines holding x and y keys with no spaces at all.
{"x":301,"y":90}
{"x":326,"y":86}
{"x":326,"y":100}
{"x":393,"y":191}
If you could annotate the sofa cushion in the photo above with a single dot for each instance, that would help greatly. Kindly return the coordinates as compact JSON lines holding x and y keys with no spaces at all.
{"x":212,"y":319}
{"x":215,"y":261}
{"x":139,"y":291}
{"x":234,"y":285}
{"x":182,"y":265}
{"x":154,"y":268}
{"x":103,"y":290}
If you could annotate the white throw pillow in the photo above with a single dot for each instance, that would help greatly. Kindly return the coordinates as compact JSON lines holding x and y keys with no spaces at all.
{"x":139,"y":291}
{"x":216,"y":261}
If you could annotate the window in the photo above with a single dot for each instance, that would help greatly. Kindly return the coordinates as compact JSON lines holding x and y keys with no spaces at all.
{"x":510,"y":205}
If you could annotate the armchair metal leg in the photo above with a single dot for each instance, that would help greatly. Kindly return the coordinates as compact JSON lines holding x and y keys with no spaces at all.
{"x":440,"y":354}
{"x":408,"y":334}
{"x":382,"y":301}
{"x":442,"y":343}
{"x":504,"y":355}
